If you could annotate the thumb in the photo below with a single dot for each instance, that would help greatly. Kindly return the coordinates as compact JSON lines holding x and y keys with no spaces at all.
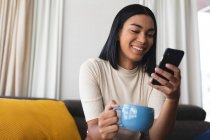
{"x":111,"y":105}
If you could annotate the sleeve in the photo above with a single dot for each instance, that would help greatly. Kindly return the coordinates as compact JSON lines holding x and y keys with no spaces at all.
{"x":156,"y":101}
{"x":89,"y":90}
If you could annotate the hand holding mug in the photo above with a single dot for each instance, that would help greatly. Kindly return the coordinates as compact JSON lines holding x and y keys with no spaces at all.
{"x":107,"y":122}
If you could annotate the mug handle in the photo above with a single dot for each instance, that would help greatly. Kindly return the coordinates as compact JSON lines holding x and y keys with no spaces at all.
{"x":120,"y":109}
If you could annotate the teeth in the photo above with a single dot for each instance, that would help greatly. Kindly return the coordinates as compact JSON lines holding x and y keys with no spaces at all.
{"x":139,"y":49}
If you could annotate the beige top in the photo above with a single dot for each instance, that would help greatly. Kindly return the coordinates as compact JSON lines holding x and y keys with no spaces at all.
{"x":99,"y":83}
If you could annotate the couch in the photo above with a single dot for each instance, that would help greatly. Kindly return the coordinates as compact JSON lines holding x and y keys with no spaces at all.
{"x":189,"y":122}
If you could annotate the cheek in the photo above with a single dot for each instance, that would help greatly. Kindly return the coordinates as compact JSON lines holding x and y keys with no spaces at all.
{"x":123,"y":41}
{"x":150,"y":42}
{"x":123,"y":45}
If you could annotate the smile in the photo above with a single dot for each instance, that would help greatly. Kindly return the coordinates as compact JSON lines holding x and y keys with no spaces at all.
{"x":137,"y":48}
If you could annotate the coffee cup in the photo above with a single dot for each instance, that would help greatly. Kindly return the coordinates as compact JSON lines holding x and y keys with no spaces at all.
{"x":135,"y":117}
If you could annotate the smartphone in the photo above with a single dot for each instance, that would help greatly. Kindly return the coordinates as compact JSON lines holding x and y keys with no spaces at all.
{"x":170,"y":56}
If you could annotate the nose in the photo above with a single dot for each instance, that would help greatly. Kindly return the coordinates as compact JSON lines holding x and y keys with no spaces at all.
{"x":141,"y":38}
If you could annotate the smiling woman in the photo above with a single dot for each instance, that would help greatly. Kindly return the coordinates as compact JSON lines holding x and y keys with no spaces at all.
{"x":121,"y":75}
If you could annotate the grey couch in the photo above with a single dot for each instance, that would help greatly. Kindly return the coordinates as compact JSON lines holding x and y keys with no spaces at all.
{"x":189,"y":124}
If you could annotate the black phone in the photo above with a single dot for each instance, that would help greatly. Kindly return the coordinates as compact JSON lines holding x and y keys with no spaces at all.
{"x":171,"y":56}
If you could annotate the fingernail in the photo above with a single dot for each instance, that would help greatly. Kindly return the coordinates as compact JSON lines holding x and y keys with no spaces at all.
{"x":156,"y":69}
{"x":153,"y":75}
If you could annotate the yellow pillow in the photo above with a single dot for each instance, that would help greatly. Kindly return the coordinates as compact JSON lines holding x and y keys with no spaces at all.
{"x":36,"y":120}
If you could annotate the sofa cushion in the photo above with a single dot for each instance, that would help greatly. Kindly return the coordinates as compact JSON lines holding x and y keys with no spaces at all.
{"x":36,"y":119}
{"x":188,"y":129}
{"x":190,"y":112}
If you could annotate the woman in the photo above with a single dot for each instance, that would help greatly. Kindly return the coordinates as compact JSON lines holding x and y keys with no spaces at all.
{"x":122,"y":74}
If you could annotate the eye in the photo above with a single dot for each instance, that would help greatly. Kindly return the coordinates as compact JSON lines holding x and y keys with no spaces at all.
{"x":150,"y":34}
{"x":135,"y":31}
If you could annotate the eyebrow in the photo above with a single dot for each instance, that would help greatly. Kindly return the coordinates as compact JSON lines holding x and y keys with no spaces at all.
{"x":139,"y":26}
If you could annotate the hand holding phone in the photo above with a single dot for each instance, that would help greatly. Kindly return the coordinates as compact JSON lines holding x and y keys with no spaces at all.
{"x":171,"y":56}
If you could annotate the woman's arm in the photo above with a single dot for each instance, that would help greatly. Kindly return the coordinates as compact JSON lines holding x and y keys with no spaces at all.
{"x":163,"y":125}
{"x":165,"y":122}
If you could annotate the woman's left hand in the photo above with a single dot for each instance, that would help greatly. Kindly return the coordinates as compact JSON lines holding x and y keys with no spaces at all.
{"x":170,"y":88}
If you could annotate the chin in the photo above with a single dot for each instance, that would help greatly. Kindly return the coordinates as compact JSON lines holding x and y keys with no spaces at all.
{"x":138,"y":59}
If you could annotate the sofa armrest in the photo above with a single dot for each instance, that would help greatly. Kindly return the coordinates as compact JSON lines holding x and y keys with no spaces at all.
{"x":190,"y":112}
{"x":76,"y":110}
{"x":75,"y":107}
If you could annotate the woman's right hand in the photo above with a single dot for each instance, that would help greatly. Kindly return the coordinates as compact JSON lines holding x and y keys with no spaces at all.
{"x":107,"y":121}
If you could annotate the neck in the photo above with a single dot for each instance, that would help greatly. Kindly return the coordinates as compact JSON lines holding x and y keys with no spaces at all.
{"x":128,"y":65}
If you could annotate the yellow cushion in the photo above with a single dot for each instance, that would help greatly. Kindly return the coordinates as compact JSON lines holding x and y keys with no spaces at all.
{"x":36,"y":120}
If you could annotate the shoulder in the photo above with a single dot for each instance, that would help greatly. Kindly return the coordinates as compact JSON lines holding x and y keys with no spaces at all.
{"x":93,"y":61}
{"x":94,"y":64}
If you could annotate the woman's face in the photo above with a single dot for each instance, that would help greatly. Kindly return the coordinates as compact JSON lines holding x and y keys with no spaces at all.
{"x":136,"y":39}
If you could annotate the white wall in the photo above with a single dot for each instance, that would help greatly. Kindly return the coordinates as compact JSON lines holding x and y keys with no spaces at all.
{"x":86,"y":28}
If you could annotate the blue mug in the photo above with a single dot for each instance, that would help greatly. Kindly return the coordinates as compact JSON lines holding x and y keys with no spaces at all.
{"x":135,"y":118}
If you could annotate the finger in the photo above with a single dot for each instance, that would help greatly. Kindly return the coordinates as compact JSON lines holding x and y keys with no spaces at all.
{"x":159,"y":79}
{"x":174,"y":79}
{"x":111,"y":105}
{"x":177,"y":74}
{"x":109,"y":131}
{"x":108,"y":121}
{"x":163,"y":73}
{"x":175,"y":69}
{"x":109,"y":136}
{"x":171,"y":79}
{"x":107,"y":114}
{"x":164,"y":89}
{"x":168,"y":92}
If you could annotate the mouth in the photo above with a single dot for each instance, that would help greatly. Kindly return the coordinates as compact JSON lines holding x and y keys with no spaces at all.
{"x":137,"y":48}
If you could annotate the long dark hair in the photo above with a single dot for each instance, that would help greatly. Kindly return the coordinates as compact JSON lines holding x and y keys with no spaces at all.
{"x":110,"y":51}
